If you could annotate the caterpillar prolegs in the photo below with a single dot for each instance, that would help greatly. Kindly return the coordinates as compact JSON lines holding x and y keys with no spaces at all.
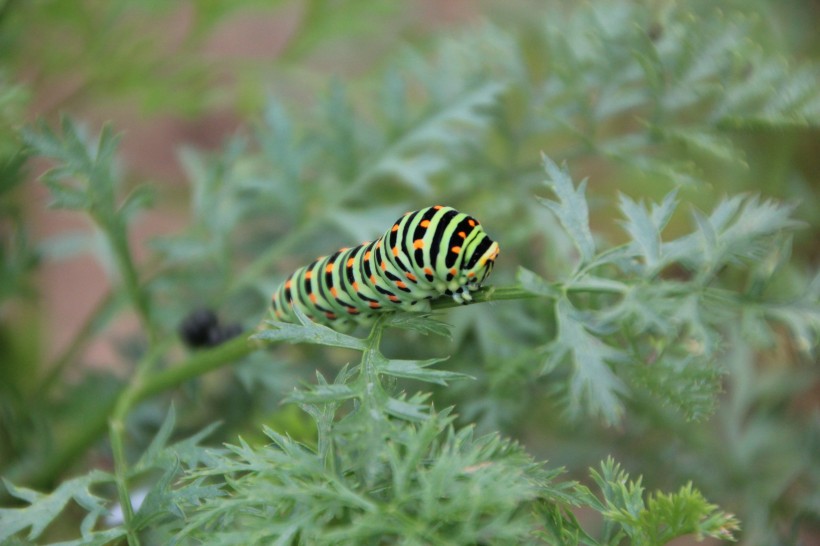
{"x":433,"y":252}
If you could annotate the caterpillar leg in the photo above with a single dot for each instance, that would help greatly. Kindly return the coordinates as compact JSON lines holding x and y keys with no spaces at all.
{"x":462,"y":295}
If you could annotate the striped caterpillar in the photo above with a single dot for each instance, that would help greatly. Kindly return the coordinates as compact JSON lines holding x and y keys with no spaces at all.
{"x":433,"y":252}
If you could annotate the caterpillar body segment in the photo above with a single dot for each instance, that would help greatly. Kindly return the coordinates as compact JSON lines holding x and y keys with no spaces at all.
{"x":428,"y":253}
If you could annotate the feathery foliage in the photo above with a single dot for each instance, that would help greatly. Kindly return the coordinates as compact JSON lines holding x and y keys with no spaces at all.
{"x":653,"y":302}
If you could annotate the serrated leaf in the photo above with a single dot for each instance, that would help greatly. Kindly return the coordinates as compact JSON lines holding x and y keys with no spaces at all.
{"x":725,"y":210}
{"x":535,"y":284}
{"x":803,"y":320}
{"x":307,"y":332}
{"x":141,"y":197}
{"x":555,"y":353}
{"x":66,"y":244}
{"x":758,"y":218}
{"x":45,"y":508}
{"x":463,"y":113}
{"x":662,"y":212}
{"x":106,"y":146}
{"x":64,"y":196}
{"x":157,"y":503}
{"x":708,"y":235}
{"x":159,"y":441}
{"x":23,"y":493}
{"x":738,"y":228}
{"x":717,"y":145}
{"x":42,"y":139}
{"x":418,"y":322}
{"x":415,"y":171}
{"x":593,"y":386}
{"x":322,"y":394}
{"x":679,"y":172}
{"x":417,"y":369}
{"x":187,"y":451}
{"x":406,"y":410}
{"x":570,"y":208}
{"x":591,"y":283}
{"x":662,"y":517}
{"x":645,"y":235}
{"x":75,"y":147}
{"x":96,"y":538}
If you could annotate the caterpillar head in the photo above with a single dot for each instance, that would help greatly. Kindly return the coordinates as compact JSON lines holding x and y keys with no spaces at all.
{"x":479,"y":261}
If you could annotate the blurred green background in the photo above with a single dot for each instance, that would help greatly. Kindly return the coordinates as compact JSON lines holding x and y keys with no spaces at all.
{"x":348,"y":113}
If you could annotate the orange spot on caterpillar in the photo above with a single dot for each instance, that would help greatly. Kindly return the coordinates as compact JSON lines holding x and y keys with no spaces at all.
{"x":355,"y":286}
{"x":308,"y":274}
{"x":366,"y":255}
{"x":395,"y":227}
{"x":287,"y":283}
{"x":312,"y":297}
{"x":329,"y":268}
{"x":373,"y":279}
{"x":437,"y":207}
{"x":351,"y":309}
{"x":379,"y":244}
{"x":331,"y":316}
{"x":411,"y":277}
{"x":392,"y":298}
{"x":471,"y":274}
{"x":333,"y":291}
{"x":418,"y":243}
{"x":462,"y":234}
{"x":453,"y":271}
{"x":400,"y":284}
{"x":471,"y":222}
{"x":428,"y":271}
{"x":350,"y":262}
{"x":425,"y":224}
{"x":383,"y":265}
{"x":374,"y":305}
{"x":395,"y":251}
{"x":455,"y":249}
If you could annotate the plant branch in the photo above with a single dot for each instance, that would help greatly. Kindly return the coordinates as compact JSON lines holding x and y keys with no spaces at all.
{"x":118,"y":240}
{"x":198,"y":364}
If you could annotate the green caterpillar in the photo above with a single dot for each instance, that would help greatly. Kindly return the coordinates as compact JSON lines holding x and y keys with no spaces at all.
{"x":428,"y":253}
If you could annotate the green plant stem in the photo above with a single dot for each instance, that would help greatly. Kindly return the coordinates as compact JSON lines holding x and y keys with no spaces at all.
{"x":488,"y":294}
{"x":126,"y":400}
{"x":116,"y":434}
{"x":118,"y":239}
{"x":198,"y":364}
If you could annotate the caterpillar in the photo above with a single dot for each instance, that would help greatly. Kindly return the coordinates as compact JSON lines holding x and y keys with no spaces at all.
{"x":428,"y":253}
